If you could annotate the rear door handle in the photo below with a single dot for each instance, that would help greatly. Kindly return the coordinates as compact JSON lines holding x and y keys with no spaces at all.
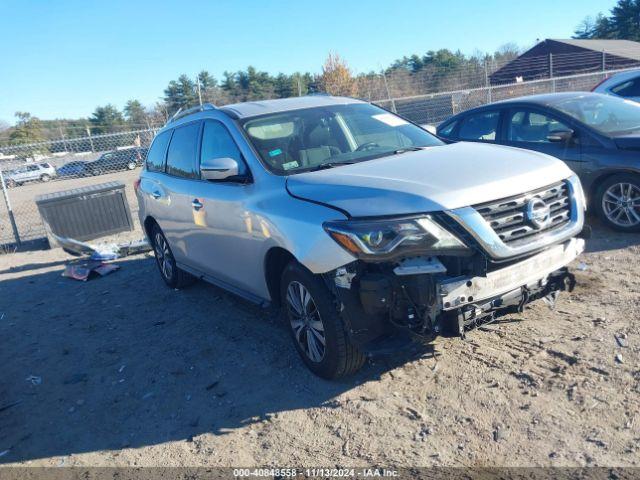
{"x":196,"y":204}
{"x":156,"y":194}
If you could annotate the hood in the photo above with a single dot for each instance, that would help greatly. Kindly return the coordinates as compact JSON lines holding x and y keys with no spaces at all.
{"x":434,"y":179}
{"x":628,"y":142}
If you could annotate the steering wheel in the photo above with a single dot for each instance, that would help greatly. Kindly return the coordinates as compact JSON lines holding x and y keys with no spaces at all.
{"x":367,"y":146}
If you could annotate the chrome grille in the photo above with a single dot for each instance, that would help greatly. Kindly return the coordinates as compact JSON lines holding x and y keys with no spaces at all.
{"x":507,"y":217}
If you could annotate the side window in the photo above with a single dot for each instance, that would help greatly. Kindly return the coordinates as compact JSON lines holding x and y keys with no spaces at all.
{"x":630,"y":88}
{"x":181,"y":156}
{"x":447,"y":130}
{"x":480,"y":126}
{"x":157,"y":152}
{"x":532,"y":127}
{"x":217,"y":143}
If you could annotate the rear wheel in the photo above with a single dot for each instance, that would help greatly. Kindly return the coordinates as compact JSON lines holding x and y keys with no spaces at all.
{"x":173,"y":276}
{"x":45,"y":177}
{"x":317,"y":329}
{"x":618,"y":202}
{"x":11,"y":183}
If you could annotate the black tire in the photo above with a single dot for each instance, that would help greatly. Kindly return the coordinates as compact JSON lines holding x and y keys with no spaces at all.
{"x":173,"y":276}
{"x":131,"y":165}
{"x":11,"y":184}
{"x":339,"y":356}
{"x":45,"y":177}
{"x":622,"y":215}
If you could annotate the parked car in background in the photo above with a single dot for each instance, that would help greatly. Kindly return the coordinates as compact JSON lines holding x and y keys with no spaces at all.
{"x":125,"y":159}
{"x":42,"y":172}
{"x":597,"y":135}
{"x":623,"y":84}
{"x":74,"y":169}
{"x":355,"y":221}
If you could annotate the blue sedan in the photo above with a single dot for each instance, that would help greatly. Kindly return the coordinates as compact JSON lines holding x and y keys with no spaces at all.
{"x":597,"y":135}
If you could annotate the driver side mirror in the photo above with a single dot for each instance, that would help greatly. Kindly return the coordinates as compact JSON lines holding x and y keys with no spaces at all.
{"x":218,"y":168}
{"x":561,"y":136}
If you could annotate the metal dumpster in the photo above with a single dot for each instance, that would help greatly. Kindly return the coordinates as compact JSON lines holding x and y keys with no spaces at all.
{"x":85,"y":213}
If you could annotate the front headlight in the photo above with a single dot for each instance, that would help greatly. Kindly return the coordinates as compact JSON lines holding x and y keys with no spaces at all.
{"x":381,"y":239}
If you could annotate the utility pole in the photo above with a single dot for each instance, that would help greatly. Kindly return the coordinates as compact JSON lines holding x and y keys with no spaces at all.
{"x":64,"y":140}
{"x":90,"y":139}
{"x":386,"y":86}
{"x":199,"y":93}
{"x":486,"y":80}
{"x":299,"y":86}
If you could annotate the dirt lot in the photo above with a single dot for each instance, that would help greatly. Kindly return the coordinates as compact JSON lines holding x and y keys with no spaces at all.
{"x":133,"y":373}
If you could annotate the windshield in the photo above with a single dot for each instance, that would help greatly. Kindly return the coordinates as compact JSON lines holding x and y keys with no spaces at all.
{"x":303,"y":140}
{"x":605,"y":113}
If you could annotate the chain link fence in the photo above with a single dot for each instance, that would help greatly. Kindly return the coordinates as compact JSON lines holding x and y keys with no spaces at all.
{"x":425,"y":98}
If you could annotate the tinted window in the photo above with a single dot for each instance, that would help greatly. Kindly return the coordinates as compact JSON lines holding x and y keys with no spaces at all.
{"x":217,"y":143}
{"x":524,"y":126}
{"x":480,"y":126}
{"x":630,"y":88}
{"x":156,"y":156}
{"x":447,"y":130}
{"x":181,"y":157}
{"x":605,"y":113}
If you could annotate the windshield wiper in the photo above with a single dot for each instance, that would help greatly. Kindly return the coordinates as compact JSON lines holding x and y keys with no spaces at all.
{"x":326,"y":165}
{"x":407,"y":149}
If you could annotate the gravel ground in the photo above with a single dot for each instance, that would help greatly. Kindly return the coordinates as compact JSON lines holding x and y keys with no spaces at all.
{"x":121,"y":371}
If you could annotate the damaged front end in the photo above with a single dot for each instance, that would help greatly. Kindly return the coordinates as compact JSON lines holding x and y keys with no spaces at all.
{"x":414,"y":275}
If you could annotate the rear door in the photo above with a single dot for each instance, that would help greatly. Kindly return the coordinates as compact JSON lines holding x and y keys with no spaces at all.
{"x":176,"y":189}
{"x":526,"y":127}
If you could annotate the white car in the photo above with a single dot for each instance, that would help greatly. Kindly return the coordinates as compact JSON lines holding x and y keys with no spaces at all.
{"x":42,"y":172}
{"x":624,"y":84}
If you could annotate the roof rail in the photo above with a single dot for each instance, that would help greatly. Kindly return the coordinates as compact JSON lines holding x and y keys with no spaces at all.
{"x":183,"y":113}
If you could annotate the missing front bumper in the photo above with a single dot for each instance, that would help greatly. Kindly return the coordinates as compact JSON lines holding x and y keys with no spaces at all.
{"x":459,"y":292}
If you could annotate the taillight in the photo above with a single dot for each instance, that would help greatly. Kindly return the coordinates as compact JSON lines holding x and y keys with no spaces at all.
{"x":136,"y":184}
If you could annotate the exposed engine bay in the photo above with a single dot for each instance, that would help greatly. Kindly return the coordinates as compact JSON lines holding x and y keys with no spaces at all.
{"x":428,"y":296}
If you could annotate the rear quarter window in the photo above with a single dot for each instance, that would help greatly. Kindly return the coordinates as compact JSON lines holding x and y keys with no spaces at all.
{"x":157,"y":152}
{"x":480,"y":126}
{"x":446,"y":131}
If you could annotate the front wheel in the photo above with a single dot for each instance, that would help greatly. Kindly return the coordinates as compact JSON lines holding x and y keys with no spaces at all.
{"x":131,"y":165}
{"x":45,"y":178}
{"x":618,"y":202}
{"x":318,"y":331}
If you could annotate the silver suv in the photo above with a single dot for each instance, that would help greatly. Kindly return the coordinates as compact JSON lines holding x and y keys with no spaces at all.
{"x":42,"y":172}
{"x":364,"y":227}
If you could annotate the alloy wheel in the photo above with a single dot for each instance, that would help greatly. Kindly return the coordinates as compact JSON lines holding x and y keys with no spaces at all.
{"x":131,"y":165}
{"x":163,"y":256}
{"x":621,"y":204}
{"x":306,"y":323}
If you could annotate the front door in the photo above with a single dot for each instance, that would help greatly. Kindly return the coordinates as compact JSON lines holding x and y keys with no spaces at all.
{"x":226,"y":239}
{"x":529,"y":128}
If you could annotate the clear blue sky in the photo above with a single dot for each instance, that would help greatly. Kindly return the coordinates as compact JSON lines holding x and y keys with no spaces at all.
{"x":63,"y":58}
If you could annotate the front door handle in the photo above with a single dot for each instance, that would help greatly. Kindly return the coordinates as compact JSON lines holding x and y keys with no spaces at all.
{"x":196,"y":204}
{"x":156,"y":194}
